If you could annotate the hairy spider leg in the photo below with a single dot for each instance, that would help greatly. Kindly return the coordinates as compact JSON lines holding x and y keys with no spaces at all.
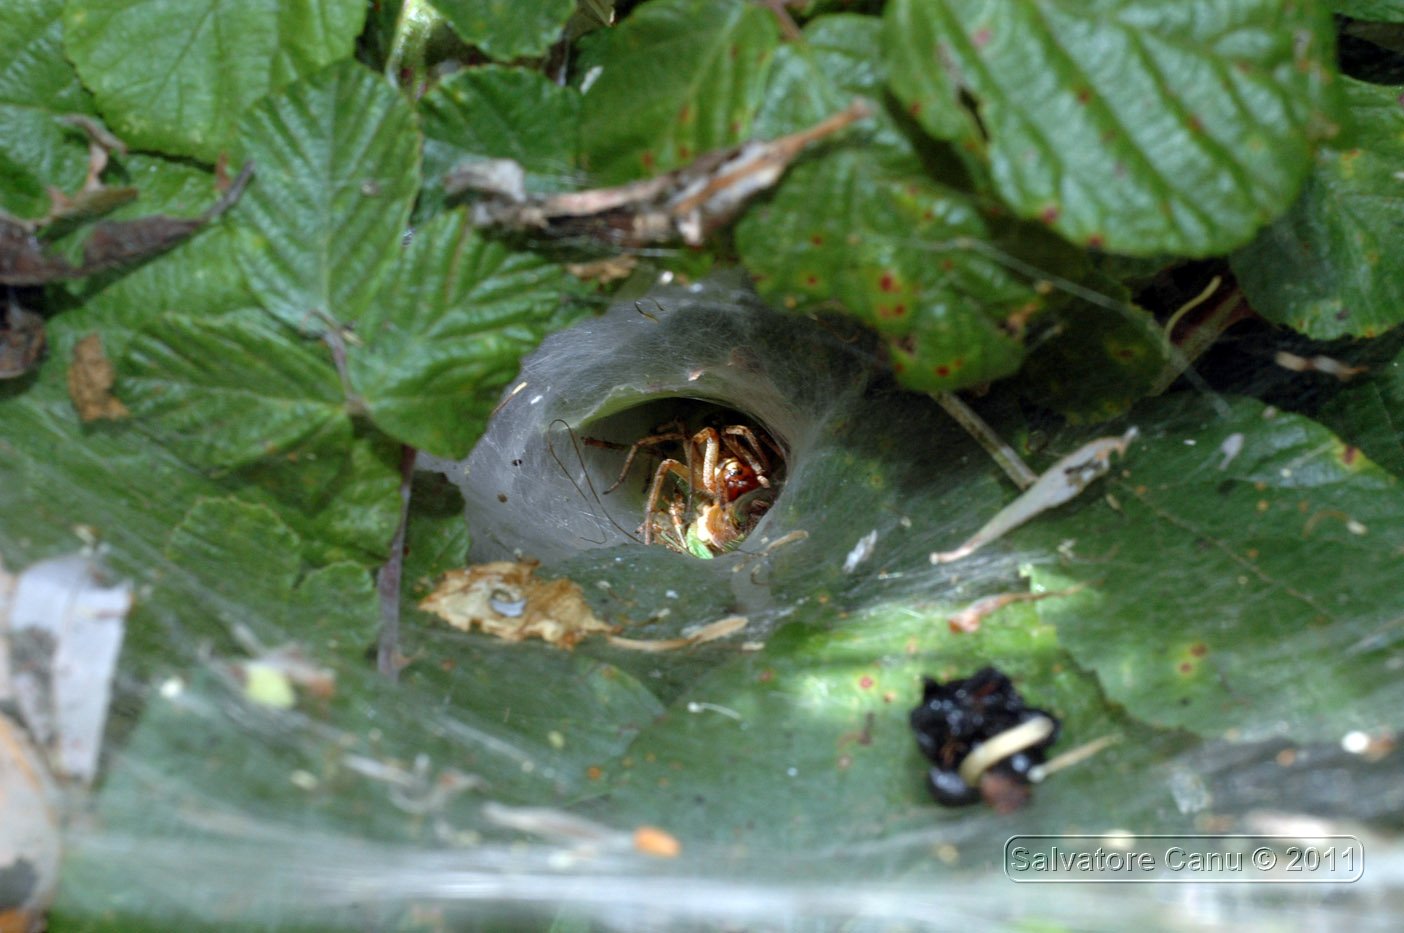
{"x":710,"y":443}
{"x":655,"y":490}
{"x":675,"y":512}
{"x":755,"y":458}
{"x":652,"y":440}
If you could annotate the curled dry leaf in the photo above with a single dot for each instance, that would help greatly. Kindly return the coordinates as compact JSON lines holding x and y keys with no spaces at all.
{"x":504,"y":600}
{"x":969,"y":618}
{"x":650,"y":840}
{"x":710,"y":632}
{"x":685,"y":205}
{"x":26,"y":260}
{"x":90,"y":378}
{"x":21,"y":340}
{"x":604,"y":271}
{"x":1318,"y":364}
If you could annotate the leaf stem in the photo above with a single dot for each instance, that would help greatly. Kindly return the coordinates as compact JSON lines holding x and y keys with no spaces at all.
{"x":1009,"y":460}
{"x":413,"y":28}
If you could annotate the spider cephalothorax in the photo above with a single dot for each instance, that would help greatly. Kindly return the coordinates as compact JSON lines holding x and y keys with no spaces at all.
{"x":709,"y":489}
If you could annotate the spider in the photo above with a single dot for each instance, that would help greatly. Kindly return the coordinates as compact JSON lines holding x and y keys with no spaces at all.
{"x":721,"y":484}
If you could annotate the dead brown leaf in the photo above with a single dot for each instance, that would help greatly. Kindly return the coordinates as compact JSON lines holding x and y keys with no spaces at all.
{"x":604,"y":271}
{"x":26,"y":260}
{"x":504,"y":600}
{"x":90,"y":378}
{"x":710,"y":632}
{"x":21,"y":340}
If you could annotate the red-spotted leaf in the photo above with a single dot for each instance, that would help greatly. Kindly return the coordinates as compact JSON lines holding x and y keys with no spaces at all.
{"x":1245,"y":584}
{"x":1330,"y":268}
{"x":901,"y":252}
{"x":675,"y":79}
{"x":1134,"y":125}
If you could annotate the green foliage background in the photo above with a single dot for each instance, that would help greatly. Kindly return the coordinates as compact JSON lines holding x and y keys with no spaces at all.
{"x":1033,"y":176}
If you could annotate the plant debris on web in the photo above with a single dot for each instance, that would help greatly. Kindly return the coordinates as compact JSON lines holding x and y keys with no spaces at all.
{"x":981,"y":740}
{"x":504,"y":600}
{"x":1061,"y":482}
{"x":687,"y":204}
{"x":90,"y":379}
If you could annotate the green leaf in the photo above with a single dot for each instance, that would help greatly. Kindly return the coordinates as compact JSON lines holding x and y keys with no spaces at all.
{"x":500,"y":113}
{"x":37,"y":84}
{"x":840,"y":58}
{"x":173,"y":74}
{"x":806,"y":747}
{"x":899,"y":252}
{"x":436,"y":536}
{"x":930,"y":90}
{"x":1330,"y":268}
{"x":1133,"y":125}
{"x":334,"y":606}
{"x":1246,"y":595}
{"x":239,"y":535}
{"x":674,"y":80}
{"x":344,"y":502}
{"x":314,"y":33}
{"x":228,"y":391}
{"x":337,"y":159}
{"x":1370,"y":414}
{"x":446,"y":334}
{"x":1104,"y":357}
{"x":508,"y":29}
{"x":1382,"y":11}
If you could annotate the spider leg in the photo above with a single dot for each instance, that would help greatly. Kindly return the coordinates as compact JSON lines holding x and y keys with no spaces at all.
{"x":653,"y":440}
{"x":755,"y":457}
{"x":655,"y":490}
{"x":708,"y":441}
{"x":764,"y":437}
{"x":675,"y":512}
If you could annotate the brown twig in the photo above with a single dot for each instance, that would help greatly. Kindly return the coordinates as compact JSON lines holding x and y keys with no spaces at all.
{"x":387,"y":579}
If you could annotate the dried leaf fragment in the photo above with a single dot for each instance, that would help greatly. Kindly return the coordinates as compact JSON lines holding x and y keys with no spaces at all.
{"x":504,"y":600}
{"x":650,"y":840}
{"x":709,"y":632}
{"x":604,"y":271}
{"x":21,"y":340}
{"x":90,"y":378}
{"x":969,"y":618}
{"x":25,"y":259}
{"x":1318,"y":364}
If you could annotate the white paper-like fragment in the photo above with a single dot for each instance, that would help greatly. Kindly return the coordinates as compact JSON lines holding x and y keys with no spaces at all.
{"x":1058,"y":484}
{"x":65,"y":633}
{"x":1230,"y":448}
{"x":861,"y":551}
{"x":7,"y":585}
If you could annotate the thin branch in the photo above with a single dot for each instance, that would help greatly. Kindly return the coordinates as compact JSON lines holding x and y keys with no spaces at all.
{"x":387,"y":579}
{"x":1007,"y":458}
